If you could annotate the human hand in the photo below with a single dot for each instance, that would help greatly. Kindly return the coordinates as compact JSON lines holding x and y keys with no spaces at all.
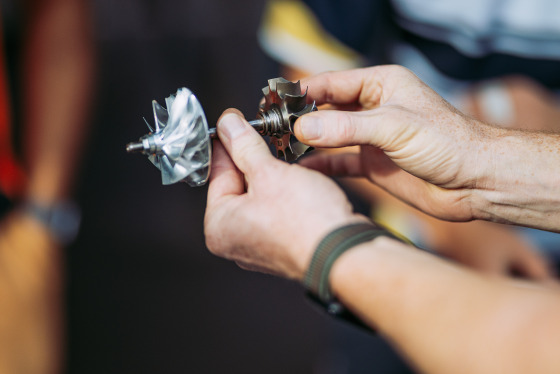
{"x":484,"y":246}
{"x":263,"y":213}
{"x":413,"y":143}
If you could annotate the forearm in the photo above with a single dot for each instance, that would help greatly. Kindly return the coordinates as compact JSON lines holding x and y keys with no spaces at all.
{"x":441,"y":315}
{"x":520,"y":183}
{"x":58,"y":74}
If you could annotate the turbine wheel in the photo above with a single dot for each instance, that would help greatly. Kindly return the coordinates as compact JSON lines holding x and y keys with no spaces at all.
{"x":283,"y":105}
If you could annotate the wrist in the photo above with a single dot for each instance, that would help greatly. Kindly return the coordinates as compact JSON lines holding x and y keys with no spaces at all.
{"x":369,"y":252}
{"x":303,"y":256}
{"x":519,"y":183}
{"x":364,"y":266}
{"x":495,"y":157}
{"x":339,"y":241}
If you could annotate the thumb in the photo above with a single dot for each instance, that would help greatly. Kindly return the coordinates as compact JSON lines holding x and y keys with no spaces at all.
{"x":333,"y":128}
{"x":245,"y":146}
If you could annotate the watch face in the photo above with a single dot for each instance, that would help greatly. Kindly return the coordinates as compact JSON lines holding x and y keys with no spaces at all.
{"x":65,"y":221}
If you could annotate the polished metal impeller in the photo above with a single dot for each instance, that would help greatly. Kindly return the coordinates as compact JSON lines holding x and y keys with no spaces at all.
{"x":180,"y":143}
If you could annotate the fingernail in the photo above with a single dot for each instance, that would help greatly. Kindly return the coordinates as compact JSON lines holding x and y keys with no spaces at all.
{"x":231,"y":126}
{"x":311,"y":128}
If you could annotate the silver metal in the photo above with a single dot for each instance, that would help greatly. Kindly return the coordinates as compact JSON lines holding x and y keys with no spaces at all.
{"x":257,"y":125}
{"x":135,"y":147}
{"x":283,"y":105}
{"x":179,"y":144}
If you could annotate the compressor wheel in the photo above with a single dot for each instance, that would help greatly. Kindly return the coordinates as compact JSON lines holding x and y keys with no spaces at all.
{"x":180,"y":143}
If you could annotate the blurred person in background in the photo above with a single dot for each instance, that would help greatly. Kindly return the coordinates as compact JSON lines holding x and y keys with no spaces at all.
{"x":497,"y":60}
{"x":52,"y":93}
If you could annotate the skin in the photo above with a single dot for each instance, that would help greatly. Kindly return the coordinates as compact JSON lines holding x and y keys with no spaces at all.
{"x":57,"y":82}
{"x":241,"y":190}
{"x":422,"y":150}
{"x":443,"y":317}
{"x":485,"y":246}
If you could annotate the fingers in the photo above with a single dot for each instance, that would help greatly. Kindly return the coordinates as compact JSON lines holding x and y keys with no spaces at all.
{"x":335,"y":165}
{"x":245,"y":146}
{"x":330,"y":128}
{"x":358,"y":90}
{"x":346,"y":87}
{"x":225,"y":178}
{"x":451,"y":205}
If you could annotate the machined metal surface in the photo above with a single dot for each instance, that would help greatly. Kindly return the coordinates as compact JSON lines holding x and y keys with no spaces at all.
{"x":257,"y":125}
{"x":179,"y":144}
{"x":283,"y":105}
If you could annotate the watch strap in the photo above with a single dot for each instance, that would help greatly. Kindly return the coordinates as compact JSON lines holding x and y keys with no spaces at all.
{"x":338,"y":241}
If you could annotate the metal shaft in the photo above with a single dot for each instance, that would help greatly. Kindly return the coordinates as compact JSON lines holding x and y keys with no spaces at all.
{"x":134,"y":147}
{"x":257,"y":125}
{"x":138,"y":147}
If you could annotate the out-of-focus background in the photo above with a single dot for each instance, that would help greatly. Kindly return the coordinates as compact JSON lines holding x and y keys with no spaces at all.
{"x":143,"y":295}
{"x":140,"y":292}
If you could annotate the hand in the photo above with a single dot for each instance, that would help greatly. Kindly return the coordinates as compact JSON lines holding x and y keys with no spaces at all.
{"x":422,"y":150}
{"x":485,"y":246}
{"x":263,"y":213}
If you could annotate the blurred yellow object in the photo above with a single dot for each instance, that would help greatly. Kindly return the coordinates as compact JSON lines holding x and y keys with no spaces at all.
{"x":292,"y":34}
{"x":31,"y":327}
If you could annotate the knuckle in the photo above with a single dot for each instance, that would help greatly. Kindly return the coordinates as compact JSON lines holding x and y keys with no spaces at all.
{"x":210,"y":238}
{"x":329,"y":77}
{"x":245,"y":145}
{"x":346,"y":130}
{"x":212,"y":244}
{"x":243,"y":148}
{"x":399,"y":69}
{"x":214,"y":231}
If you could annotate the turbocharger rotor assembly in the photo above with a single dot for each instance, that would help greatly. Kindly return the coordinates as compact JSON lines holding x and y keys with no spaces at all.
{"x":180,"y":143}
{"x":283,"y":105}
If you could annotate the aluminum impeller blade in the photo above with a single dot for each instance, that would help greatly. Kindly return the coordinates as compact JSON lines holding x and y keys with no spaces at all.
{"x":180,"y":145}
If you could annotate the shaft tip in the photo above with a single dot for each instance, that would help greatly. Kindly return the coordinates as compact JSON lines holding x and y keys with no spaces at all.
{"x":134,"y":147}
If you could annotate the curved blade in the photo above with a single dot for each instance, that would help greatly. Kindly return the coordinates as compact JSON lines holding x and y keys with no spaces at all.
{"x":183,"y":145}
{"x":160,"y":116}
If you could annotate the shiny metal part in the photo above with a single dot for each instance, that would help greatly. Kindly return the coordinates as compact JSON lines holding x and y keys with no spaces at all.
{"x":283,"y":105}
{"x":134,"y":147}
{"x":180,"y":146}
{"x":257,"y":125}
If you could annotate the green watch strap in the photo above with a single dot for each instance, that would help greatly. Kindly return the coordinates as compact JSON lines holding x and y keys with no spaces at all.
{"x":337,"y":242}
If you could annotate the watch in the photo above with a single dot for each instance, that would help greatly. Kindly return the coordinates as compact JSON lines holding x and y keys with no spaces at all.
{"x":62,"y":218}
